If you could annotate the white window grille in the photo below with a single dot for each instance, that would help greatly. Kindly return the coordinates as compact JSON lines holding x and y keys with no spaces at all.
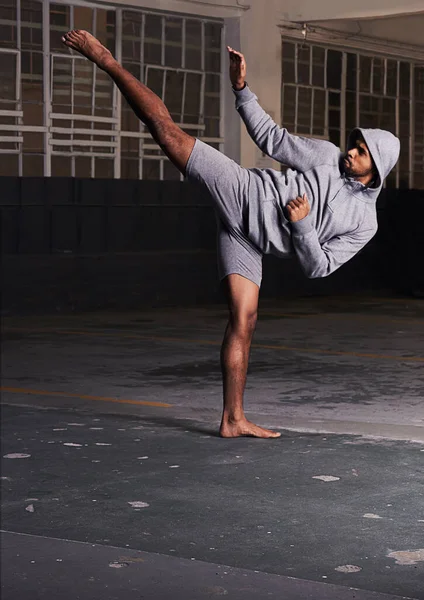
{"x":326,"y":92}
{"x":62,"y":116}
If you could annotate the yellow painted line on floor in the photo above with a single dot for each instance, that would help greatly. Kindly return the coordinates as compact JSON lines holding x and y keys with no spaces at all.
{"x":155,"y":338}
{"x":13,"y":390}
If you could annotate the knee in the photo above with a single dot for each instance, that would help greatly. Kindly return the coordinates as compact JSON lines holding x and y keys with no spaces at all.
{"x":243,"y":322}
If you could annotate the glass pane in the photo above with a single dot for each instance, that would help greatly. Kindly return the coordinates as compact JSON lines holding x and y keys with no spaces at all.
{"x":192,"y":99}
{"x":334,"y":69}
{"x":352,"y":70}
{"x":333,"y":119}
{"x":405,"y":78}
{"x":130,"y":147}
{"x":134,"y":68}
{"x":105,"y":27}
{"x":334,"y":135}
{"x":83,"y":18}
{"x":378,"y":75}
{"x":61,"y":166}
{"x":303,"y":65}
{"x":155,"y":80}
{"x":170,"y":172}
{"x":288,"y":62}
{"x":31,"y":26}
{"x":419,"y":180}
{"x":404,"y":154}
{"x":104,"y":168}
{"x":334,"y":100}
{"x":318,"y":76}
{"x":33,"y":108}
{"x":32,"y":66}
{"x":9,"y":165}
{"x":33,"y":142}
{"x":131,"y":35}
{"x":60,"y":23}
{"x":403,"y":180}
{"x":173,"y":41}
{"x":212,"y":95}
{"x":213,"y":61}
{"x":83,"y":166}
{"x":366,"y":114}
{"x":419,"y":83}
{"x":153,"y":39}
{"x":304,"y":110}
{"x":351,"y":111}
{"x":212,"y":127}
{"x":213,"y":35}
{"x":8,"y":64}
{"x":392,"y":68}
{"x":62,"y":85}
{"x":391,"y":180}
{"x":8,"y":24}
{"x":83,"y":86}
{"x":212,"y":105}
{"x":419,"y":132}
{"x":103,"y":94}
{"x":365,"y":73}
{"x":174,"y":93}
{"x":33,"y":165}
{"x":129,"y":121}
{"x":129,"y":168}
{"x":318,"y":71}
{"x":289,"y":106}
{"x":319,"y":113}
{"x":193,"y":57}
{"x":388,"y":114}
{"x":151,"y":169}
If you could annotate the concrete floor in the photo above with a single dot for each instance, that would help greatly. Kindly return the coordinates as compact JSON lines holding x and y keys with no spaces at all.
{"x":115,"y":409}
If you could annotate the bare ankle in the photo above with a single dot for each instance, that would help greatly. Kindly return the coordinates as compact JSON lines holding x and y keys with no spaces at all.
{"x":233,"y":418}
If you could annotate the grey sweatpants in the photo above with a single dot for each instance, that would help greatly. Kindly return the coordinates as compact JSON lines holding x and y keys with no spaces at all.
{"x":236,"y":195}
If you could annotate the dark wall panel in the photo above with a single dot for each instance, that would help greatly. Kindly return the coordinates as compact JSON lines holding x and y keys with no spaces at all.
{"x":70,"y":244}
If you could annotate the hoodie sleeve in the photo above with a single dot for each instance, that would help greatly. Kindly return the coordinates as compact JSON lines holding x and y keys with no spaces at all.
{"x":296,"y":152}
{"x":319,"y":260}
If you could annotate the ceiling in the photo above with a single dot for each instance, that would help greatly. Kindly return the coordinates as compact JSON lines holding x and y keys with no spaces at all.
{"x":404,"y":29}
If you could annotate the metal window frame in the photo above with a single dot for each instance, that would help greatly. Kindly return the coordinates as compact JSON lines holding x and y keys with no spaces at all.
{"x":294,"y":39}
{"x":81,"y":137}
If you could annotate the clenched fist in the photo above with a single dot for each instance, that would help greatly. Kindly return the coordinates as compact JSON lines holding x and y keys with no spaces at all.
{"x":237,"y":68}
{"x":298,"y":209}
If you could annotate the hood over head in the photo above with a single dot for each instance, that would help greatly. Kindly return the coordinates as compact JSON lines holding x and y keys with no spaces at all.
{"x":384,"y":148}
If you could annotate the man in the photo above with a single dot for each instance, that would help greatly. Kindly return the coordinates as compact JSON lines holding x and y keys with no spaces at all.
{"x":262,"y":210}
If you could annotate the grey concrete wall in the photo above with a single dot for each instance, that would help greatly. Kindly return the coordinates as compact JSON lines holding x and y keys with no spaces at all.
{"x":71,"y":244}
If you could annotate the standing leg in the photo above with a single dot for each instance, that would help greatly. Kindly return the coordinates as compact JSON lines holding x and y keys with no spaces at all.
{"x":243,"y":297}
{"x":148,"y":107}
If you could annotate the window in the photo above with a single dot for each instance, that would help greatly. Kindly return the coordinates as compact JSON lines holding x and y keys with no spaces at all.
{"x":60,"y":115}
{"x":327,"y":92}
{"x":180,"y":60}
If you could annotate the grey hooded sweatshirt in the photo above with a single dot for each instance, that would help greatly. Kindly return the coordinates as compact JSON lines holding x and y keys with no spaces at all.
{"x":342,"y":216}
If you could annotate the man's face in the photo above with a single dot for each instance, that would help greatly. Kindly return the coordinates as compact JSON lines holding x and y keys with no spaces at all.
{"x":357,"y":160}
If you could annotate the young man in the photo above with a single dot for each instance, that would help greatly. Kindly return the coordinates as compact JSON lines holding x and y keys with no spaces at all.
{"x":261,"y":210}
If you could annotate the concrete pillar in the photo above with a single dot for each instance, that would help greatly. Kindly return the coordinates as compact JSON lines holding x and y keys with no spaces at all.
{"x":260,"y":42}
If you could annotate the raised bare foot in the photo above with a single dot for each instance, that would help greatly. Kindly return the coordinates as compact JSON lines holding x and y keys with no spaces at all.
{"x":88,"y":46}
{"x":244,"y":427}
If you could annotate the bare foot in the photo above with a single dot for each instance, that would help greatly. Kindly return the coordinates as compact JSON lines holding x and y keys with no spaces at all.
{"x":244,"y":427}
{"x":88,"y":46}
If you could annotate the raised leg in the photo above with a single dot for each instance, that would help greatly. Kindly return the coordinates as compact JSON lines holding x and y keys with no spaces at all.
{"x":243,"y":297}
{"x":148,"y":107}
